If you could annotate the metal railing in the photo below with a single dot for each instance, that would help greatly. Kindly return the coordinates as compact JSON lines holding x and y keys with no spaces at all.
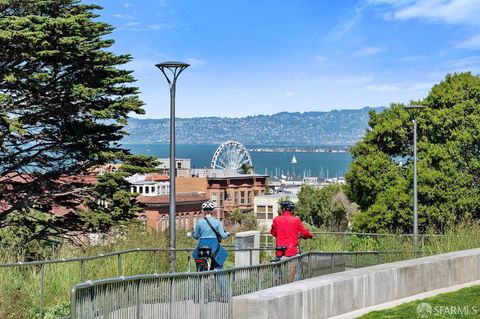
{"x":355,"y":241}
{"x":207,"y":294}
{"x":85,"y":268}
{"x":37,"y":275}
{"x":191,"y":295}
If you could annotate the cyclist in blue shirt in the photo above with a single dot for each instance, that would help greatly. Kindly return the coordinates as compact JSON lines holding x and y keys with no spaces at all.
{"x":207,"y":235}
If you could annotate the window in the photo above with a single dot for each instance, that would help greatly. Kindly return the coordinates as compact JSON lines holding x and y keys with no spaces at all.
{"x":260,"y":212}
{"x":140,"y":189}
{"x":214,"y":199}
{"x":147,"y":189}
{"x":242,"y":198}
{"x":236,"y":199}
{"x":270,"y":212}
{"x":249,"y":198}
{"x":221,"y":199}
{"x":179,"y":164}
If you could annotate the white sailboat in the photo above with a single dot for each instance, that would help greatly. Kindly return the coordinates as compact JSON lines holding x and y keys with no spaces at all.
{"x":294,"y":161}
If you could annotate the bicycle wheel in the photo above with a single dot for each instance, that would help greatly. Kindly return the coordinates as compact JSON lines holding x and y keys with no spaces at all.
{"x":203,"y":266}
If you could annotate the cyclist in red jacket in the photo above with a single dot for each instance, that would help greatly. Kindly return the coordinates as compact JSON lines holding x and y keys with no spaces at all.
{"x":287,"y":228}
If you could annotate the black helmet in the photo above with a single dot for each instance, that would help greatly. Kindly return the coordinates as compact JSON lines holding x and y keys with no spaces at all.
{"x":208,"y":206}
{"x":288,"y":205}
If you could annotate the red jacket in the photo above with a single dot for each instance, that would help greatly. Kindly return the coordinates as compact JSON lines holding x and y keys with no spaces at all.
{"x":285,"y":229}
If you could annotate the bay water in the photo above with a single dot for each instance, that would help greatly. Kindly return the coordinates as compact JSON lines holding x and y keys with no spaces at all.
{"x":321,"y":164}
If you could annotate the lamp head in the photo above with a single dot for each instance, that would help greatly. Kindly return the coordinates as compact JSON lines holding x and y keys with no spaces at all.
{"x":172,"y":64}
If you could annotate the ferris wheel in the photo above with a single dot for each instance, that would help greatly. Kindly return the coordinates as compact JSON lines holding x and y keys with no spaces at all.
{"x":231,"y":155}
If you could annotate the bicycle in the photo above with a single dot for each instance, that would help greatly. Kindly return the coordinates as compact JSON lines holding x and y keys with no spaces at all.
{"x":294,"y":268}
{"x":277,"y":271}
{"x":204,"y":260}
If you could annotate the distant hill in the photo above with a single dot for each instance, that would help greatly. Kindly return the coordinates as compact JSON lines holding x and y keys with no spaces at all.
{"x":342,"y":127}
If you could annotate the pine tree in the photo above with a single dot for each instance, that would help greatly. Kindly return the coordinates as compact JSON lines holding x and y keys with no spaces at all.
{"x":64,"y":101}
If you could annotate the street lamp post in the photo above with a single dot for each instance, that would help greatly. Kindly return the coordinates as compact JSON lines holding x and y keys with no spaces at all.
{"x":415,"y":198}
{"x":171,"y":71}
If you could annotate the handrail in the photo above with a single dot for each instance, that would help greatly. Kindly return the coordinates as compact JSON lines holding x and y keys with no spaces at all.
{"x":159,"y":291}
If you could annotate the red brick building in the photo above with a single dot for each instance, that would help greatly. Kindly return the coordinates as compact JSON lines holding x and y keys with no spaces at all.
{"x":156,"y":213}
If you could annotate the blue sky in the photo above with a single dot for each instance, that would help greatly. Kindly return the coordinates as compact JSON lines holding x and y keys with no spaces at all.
{"x":253,"y":57}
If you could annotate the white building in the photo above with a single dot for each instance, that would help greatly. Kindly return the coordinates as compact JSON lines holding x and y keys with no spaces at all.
{"x":266,"y":207}
{"x":149,"y":184}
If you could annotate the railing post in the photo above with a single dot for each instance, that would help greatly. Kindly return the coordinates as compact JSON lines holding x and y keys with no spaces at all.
{"x":309,"y":264}
{"x":138,"y":300}
{"x":332,"y":263}
{"x":155,"y":262}
{"x":251,"y":259}
{"x":172,"y":298}
{"x":82,"y":270}
{"x":42,"y":273}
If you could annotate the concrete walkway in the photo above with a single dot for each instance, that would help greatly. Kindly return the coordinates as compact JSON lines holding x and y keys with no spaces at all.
{"x":387,"y":305}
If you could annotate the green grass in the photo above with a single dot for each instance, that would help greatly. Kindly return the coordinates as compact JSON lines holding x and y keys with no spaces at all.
{"x":464,"y":303}
{"x":19,"y":286}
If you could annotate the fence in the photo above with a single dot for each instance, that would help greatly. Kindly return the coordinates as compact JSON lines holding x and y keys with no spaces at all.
{"x":350,"y":241}
{"x":207,"y":294}
{"x":36,"y":275}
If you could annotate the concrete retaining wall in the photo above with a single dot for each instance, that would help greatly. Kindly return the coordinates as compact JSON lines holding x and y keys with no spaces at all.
{"x":336,"y":294}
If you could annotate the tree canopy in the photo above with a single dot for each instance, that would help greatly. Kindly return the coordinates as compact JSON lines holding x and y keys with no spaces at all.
{"x":325,"y":207}
{"x":380,"y":179}
{"x":64,"y":100}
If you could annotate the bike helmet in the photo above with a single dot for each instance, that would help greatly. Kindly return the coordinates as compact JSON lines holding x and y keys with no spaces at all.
{"x":208,"y":206}
{"x":288,"y":205}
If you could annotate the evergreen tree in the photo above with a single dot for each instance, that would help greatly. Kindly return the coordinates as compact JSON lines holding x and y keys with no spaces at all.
{"x":380,"y":178}
{"x":64,"y":101}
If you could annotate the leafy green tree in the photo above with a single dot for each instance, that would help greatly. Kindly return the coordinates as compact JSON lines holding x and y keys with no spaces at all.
{"x":246,"y":168}
{"x":325,"y":207}
{"x":246,"y":220}
{"x":448,"y":161}
{"x":111,"y":202}
{"x":64,"y":101}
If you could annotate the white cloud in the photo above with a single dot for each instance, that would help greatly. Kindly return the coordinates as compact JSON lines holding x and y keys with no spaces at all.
{"x":383,"y":88}
{"x":443,"y":11}
{"x":471,"y":63}
{"x":137,"y":26}
{"x":196,"y":63}
{"x":420,"y":86}
{"x":369,"y":51}
{"x":345,"y":25}
{"x":126,"y":5}
{"x":289,"y":93}
{"x":471,"y":44}
{"x":122,"y":16}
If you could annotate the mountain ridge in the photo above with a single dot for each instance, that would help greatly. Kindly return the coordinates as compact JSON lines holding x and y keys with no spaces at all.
{"x":336,"y":127}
